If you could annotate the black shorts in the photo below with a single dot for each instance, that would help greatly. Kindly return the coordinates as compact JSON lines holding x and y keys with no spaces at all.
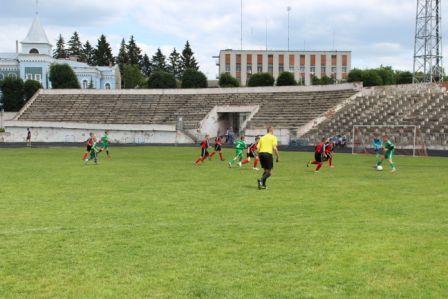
{"x":318,"y":157}
{"x":89,"y":148}
{"x":217,"y":148}
{"x":252,"y":155}
{"x":266,"y":161}
{"x":204,"y":153}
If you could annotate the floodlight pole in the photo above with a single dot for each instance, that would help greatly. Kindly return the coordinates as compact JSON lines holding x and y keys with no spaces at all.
{"x":288,"y":9}
{"x":241,"y":25}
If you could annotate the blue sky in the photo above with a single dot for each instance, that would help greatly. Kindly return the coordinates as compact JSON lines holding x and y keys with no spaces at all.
{"x":377,"y":31}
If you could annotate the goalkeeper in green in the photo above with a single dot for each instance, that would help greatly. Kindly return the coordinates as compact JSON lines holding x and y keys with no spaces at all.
{"x":389,"y":146}
{"x":240,"y":146}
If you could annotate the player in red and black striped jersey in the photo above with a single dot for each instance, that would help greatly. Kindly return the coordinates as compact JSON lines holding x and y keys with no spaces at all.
{"x":89,"y":144}
{"x":328,"y":152}
{"x":319,"y":152}
{"x":218,"y":148}
{"x":204,"y":150}
{"x":252,"y":153}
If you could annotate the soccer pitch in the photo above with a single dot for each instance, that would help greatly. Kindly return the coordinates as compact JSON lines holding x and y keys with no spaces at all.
{"x":148,"y":223}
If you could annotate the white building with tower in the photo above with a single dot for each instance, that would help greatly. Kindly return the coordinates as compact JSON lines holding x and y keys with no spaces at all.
{"x":33,"y":58}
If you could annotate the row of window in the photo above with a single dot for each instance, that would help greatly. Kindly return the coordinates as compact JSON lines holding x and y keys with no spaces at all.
{"x":85,"y":85}
{"x":36,"y":77}
{"x":281,"y":68}
{"x":11,"y":75}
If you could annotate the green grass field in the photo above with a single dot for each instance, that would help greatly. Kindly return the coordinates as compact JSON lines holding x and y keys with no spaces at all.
{"x":150,"y":224}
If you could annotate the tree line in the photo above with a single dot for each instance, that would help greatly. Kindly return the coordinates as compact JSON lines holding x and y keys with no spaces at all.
{"x":137,"y":69}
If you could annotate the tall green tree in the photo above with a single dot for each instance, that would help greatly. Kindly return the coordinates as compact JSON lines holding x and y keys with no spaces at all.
{"x":403,"y":77}
{"x":387,"y":74}
{"x":175,"y":64}
{"x":355,"y":75}
{"x":261,"y":79}
{"x":60,"y":52}
{"x":227,"y":80}
{"x":87,"y":54}
{"x":371,"y":78}
{"x":13,"y":95}
{"x":74,"y":45}
{"x":62,"y":76}
{"x":158,"y":62}
{"x":133,"y":77}
{"x":134,"y":52}
{"x":103,"y":52}
{"x":146,"y":66}
{"x":188,"y":60}
{"x":30,"y":87}
{"x":122,"y":58}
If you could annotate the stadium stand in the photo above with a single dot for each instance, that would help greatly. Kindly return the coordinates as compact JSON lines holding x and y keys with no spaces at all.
{"x":425,"y":106}
{"x":282,"y":109}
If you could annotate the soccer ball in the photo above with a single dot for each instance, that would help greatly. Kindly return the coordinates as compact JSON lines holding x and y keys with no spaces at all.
{"x":379,"y":168}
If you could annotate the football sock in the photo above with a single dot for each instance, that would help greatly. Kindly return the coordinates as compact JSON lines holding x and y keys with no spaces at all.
{"x":212,"y":154}
{"x":220,"y":156}
{"x":85,"y":156}
{"x":330,"y":161}
{"x":319,"y":165}
{"x":392,"y":165}
{"x":264,"y":178}
{"x":245,"y":162}
{"x":314,"y":162}
{"x":255,"y":163}
{"x":198,"y":160}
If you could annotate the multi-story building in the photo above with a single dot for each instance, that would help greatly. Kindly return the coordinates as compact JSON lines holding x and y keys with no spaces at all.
{"x":303,"y":64}
{"x":34,"y":59}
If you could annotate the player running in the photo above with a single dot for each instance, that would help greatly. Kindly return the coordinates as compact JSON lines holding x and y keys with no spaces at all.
{"x":252,"y":153}
{"x":94,"y":151}
{"x":89,"y":143}
{"x":319,"y":151}
{"x":204,"y":150}
{"x":378,"y":148}
{"x":105,"y":143}
{"x":266,"y":147}
{"x":389,"y":146}
{"x":240,"y":146}
{"x":328,"y":152}
{"x":218,"y":148}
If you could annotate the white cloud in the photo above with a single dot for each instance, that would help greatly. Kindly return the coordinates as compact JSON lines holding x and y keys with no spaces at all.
{"x":377,"y":31}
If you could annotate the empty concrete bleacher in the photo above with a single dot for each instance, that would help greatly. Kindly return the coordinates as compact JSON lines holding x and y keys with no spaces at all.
{"x":281,"y":109}
{"x":424,"y":106}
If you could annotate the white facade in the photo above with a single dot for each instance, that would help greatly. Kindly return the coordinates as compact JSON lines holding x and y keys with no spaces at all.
{"x":303,"y":64}
{"x":34,"y":59}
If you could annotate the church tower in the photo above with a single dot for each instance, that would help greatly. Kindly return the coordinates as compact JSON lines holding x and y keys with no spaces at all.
{"x":36,"y":41}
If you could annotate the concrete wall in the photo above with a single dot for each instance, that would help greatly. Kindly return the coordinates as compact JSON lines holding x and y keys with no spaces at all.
{"x":73,"y":132}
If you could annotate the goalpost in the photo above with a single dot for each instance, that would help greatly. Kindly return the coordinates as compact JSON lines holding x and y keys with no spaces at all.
{"x":408,"y":139}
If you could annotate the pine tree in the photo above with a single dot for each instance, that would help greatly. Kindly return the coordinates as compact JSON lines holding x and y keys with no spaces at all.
{"x":188,"y":60}
{"x":87,"y":54}
{"x":158,"y":62}
{"x":175,"y":64}
{"x":146,"y":66}
{"x":122,"y":58}
{"x":74,"y":45}
{"x":103,"y":53}
{"x":134,"y":52}
{"x":60,"y":51}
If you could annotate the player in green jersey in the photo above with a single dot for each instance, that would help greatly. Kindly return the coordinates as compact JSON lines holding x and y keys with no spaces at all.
{"x":389,"y":147}
{"x":94,"y":151}
{"x":240,"y":146}
{"x":105,"y":143}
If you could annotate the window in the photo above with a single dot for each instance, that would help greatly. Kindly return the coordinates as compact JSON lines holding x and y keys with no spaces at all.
{"x":2,"y":77}
{"x":107,"y":86}
{"x":259,"y":68}
{"x":323,"y":69}
{"x":85,"y":84}
{"x":281,"y":68}
{"x":37,"y":77}
{"x":291,"y":68}
{"x":249,"y":68}
{"x":12,"y":75}
{"x":34,"y":51}
{"x":238,"y":67}
{"x":302,"y":69}
{"x":227,"y":67}
{"x":333,"y":69}
{"x":344,"y":69}
{"x":29,"y":76}
{"x":312,"y":69}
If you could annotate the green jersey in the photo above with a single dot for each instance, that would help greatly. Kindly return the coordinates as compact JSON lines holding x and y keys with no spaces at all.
{"x":105,"y":141}
{"x":388,"y":145}
{"x":240,"y":145}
